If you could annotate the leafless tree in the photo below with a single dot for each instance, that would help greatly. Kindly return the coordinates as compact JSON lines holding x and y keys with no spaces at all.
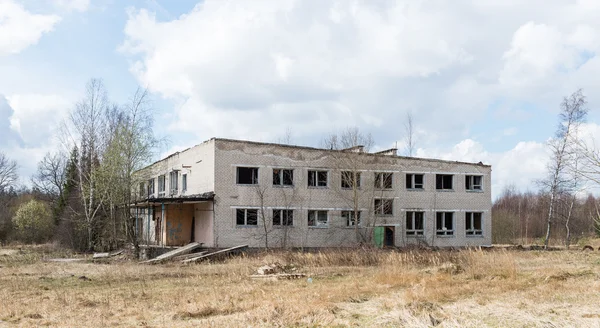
{"x":351,"y":146}
{"x":573,"y":113}
{"x":8,"y":172}
{"x":409,"y":130}
{"x":50,"y":176}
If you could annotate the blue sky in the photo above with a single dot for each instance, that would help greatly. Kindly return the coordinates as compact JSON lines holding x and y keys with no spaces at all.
{"x":482,"y":79}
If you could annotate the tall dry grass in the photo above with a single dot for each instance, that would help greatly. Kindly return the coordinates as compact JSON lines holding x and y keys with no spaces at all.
{"x":363,"y":287}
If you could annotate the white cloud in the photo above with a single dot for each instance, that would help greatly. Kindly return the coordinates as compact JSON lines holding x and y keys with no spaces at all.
{"x":76,"y":5}
{"x":35,"y":117}
{"x":20,"y":28}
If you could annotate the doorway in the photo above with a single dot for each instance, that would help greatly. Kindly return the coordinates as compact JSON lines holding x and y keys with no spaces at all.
{"x":388,"y":237}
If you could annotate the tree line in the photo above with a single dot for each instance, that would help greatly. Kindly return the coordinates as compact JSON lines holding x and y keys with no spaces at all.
{"x":81,"y":194}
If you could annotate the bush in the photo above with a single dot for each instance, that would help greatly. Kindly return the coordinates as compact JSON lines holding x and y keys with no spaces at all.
{"x":33,"y":222}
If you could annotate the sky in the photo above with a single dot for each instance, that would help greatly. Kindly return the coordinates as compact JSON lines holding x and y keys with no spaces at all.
{"x":482,"y":79}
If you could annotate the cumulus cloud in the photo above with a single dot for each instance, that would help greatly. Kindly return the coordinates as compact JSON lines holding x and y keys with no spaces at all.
{"x":35,"y":117}
{"x":20,"y":28}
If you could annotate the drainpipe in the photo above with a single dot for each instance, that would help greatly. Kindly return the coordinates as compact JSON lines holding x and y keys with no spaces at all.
{"x":162,"y":221}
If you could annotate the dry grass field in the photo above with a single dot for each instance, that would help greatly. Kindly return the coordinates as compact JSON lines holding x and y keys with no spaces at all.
{"x":363,"y":288}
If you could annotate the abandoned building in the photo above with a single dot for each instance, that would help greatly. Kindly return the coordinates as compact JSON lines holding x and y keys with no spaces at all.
{"x":226,"y":192}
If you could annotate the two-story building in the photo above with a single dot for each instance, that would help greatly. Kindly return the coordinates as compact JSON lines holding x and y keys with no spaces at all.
{"x":225,"y":192}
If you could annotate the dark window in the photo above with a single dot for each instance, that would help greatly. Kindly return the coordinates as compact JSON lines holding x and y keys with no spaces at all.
{"x":184,"y":182}
{"x":473,"y":224}
{"x":283,"y":217}
{"x":415,"y":223}
{"x":352,"y":217}
{"x":473,"y":182}
{"x":247,"y":175}
{"x":384,"y":206}
{"x":383,"y":180}
{"x":414,"y":181}
{"x":283,"y":177}
{"x":443,"y":181}
{"x":444,"y":224}
{"x":161,"y":185}
{"x":317,"y":178}
{"x":317,"y":218}
{"x":151,"y":187}
{"x":246,"y":217}
{"x":142,"y":189}
{"x":350,"y":179}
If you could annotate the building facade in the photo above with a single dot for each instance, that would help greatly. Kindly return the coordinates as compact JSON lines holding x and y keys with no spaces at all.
{"x":225,"y":193}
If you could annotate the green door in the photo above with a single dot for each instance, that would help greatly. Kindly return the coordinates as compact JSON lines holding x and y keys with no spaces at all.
{"x":378,"y":233}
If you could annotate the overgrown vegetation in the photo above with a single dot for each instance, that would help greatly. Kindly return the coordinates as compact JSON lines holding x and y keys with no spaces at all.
{"x":468,"y":288}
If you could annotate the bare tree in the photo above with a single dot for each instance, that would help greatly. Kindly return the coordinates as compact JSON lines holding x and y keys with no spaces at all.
{"x":8,"y":172}
{"x":409,"y":129}
{"x":50,"y":177}
{"x":562,"y":146}
{"x":351,"y":145}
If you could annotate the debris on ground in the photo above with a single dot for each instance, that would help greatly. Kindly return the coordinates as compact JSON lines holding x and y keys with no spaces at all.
{"x":276,"y":271}
{"x":223,"y":251}
{"x":176,"y":252}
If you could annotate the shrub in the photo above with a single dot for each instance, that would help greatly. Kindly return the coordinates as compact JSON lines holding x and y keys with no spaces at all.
{"x":33,"y":222}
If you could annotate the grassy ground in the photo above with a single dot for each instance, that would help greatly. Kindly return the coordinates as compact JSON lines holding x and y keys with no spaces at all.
{"x":352,"y":288}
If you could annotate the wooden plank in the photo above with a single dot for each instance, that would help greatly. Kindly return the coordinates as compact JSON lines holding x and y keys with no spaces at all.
{"x":188,"y":256}
{"x":223,"y":251}
{"x":179,"y":251}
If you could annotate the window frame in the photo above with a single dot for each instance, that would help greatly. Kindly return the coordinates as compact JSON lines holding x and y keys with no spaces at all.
{"x":184,"y":182}
{"x":411,"y":179}
{"x":162,"y":185}
{"x":470,"y":230}
{"x":414,"y":232}
{"x":381,"y":209}
{"x":150,"y":190}
{"x":348,"y":215}
{"x":315,"y":178}
{"x":316,"y":224}
{"x":173,"y":182}
{"x":284,"y":220}
{"x":439,"y":177}
{"x":253,"y":177}
{"x":354,"y":175}
{"x":441,"y":232}
{"x":281,"y":177}
{"x":380,"y":180}
{"x":246,"y":224}
{"x":470,"y":183}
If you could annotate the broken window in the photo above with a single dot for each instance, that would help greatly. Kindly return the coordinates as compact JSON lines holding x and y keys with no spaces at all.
{"x":415,"y":223}
{"x":473,"y":224}
{"x":317,"y":178}
{"x":473,"y":182}
{"x":142,"y":189}
{"x":443,"y":181}
{"x":246,"y":217}
{"x":283,"y":217}
{"x":184,"y":182}
{"x":444,"y":225}
{"x":247,"y":175}
{"x":414,"y":181}
{"x":161,"y":185}
{"x":174,"y":182}
{"x":383,"y":180}
{"x":352,"y":218}
{"x":151,"y":187}
{"x":384,"y":206}
{"x":350,"y":179}
{"x":317,"y":219}
{"x":283,"y":177}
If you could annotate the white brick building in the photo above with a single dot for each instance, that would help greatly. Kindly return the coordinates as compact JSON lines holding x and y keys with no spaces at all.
{"x":228,"y":192}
